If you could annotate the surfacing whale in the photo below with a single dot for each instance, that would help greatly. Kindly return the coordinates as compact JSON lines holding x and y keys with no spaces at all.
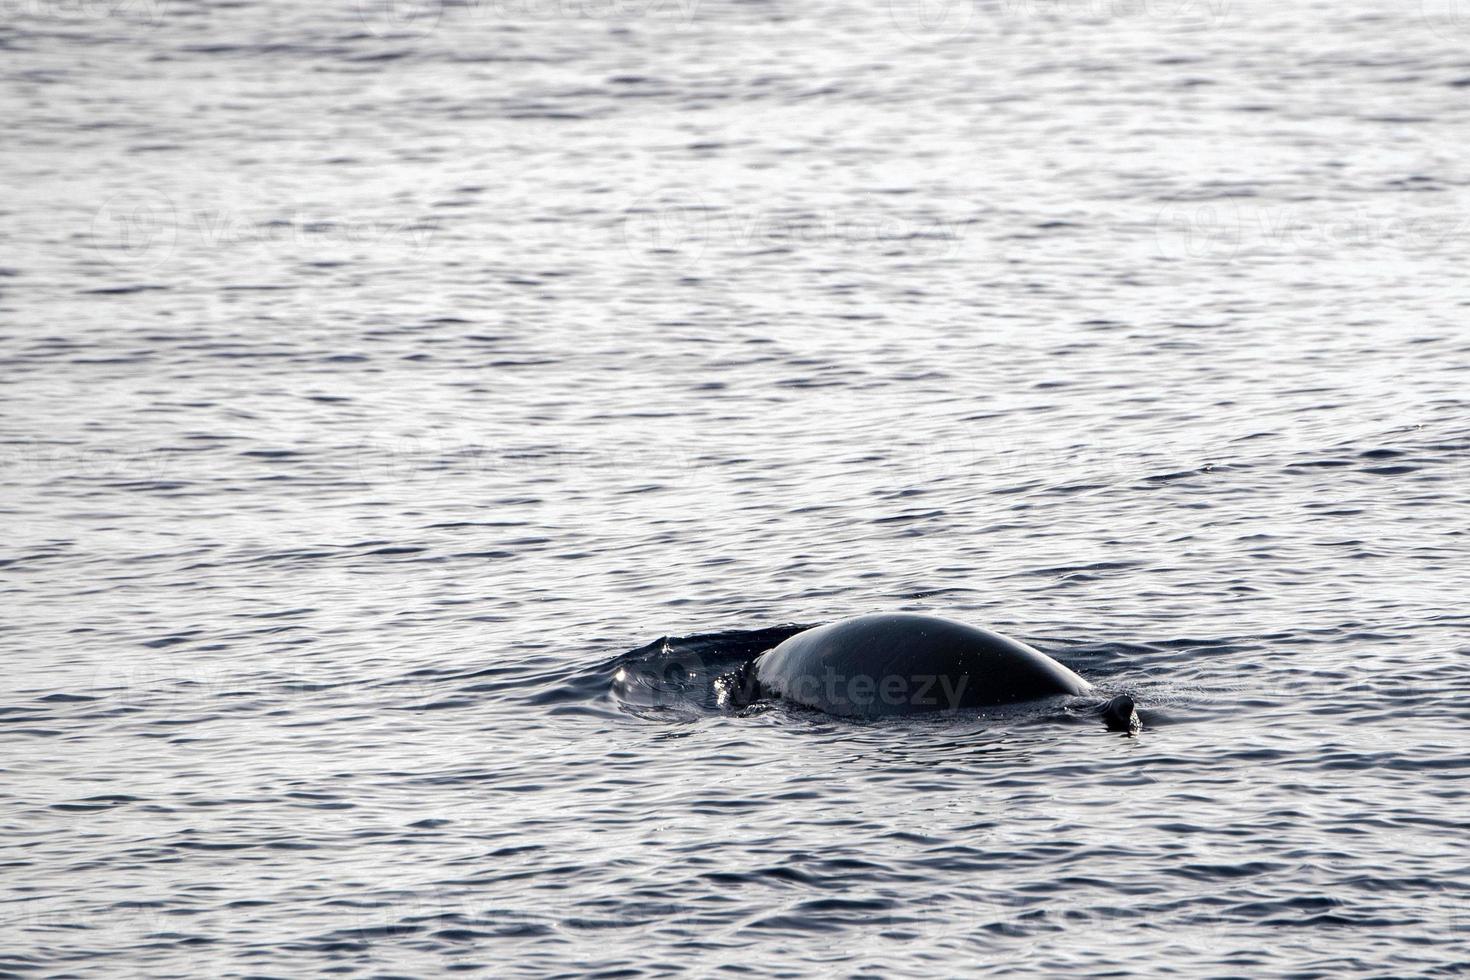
{"x":907,"y":663}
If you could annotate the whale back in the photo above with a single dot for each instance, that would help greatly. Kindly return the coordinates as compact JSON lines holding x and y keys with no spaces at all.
{"x":905,"y":663}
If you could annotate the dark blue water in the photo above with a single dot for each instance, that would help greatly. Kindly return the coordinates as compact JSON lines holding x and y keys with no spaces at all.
{"x":408,"y":412}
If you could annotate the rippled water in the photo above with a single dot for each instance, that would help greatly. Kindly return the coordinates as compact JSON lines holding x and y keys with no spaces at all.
{"x":410,"y":410}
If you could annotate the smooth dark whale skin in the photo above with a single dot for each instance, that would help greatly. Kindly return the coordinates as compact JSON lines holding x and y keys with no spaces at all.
{"x":906,"y":663}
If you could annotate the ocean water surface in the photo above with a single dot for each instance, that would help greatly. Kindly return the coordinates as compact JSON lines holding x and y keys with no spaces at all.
{"x":409,"y":411}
